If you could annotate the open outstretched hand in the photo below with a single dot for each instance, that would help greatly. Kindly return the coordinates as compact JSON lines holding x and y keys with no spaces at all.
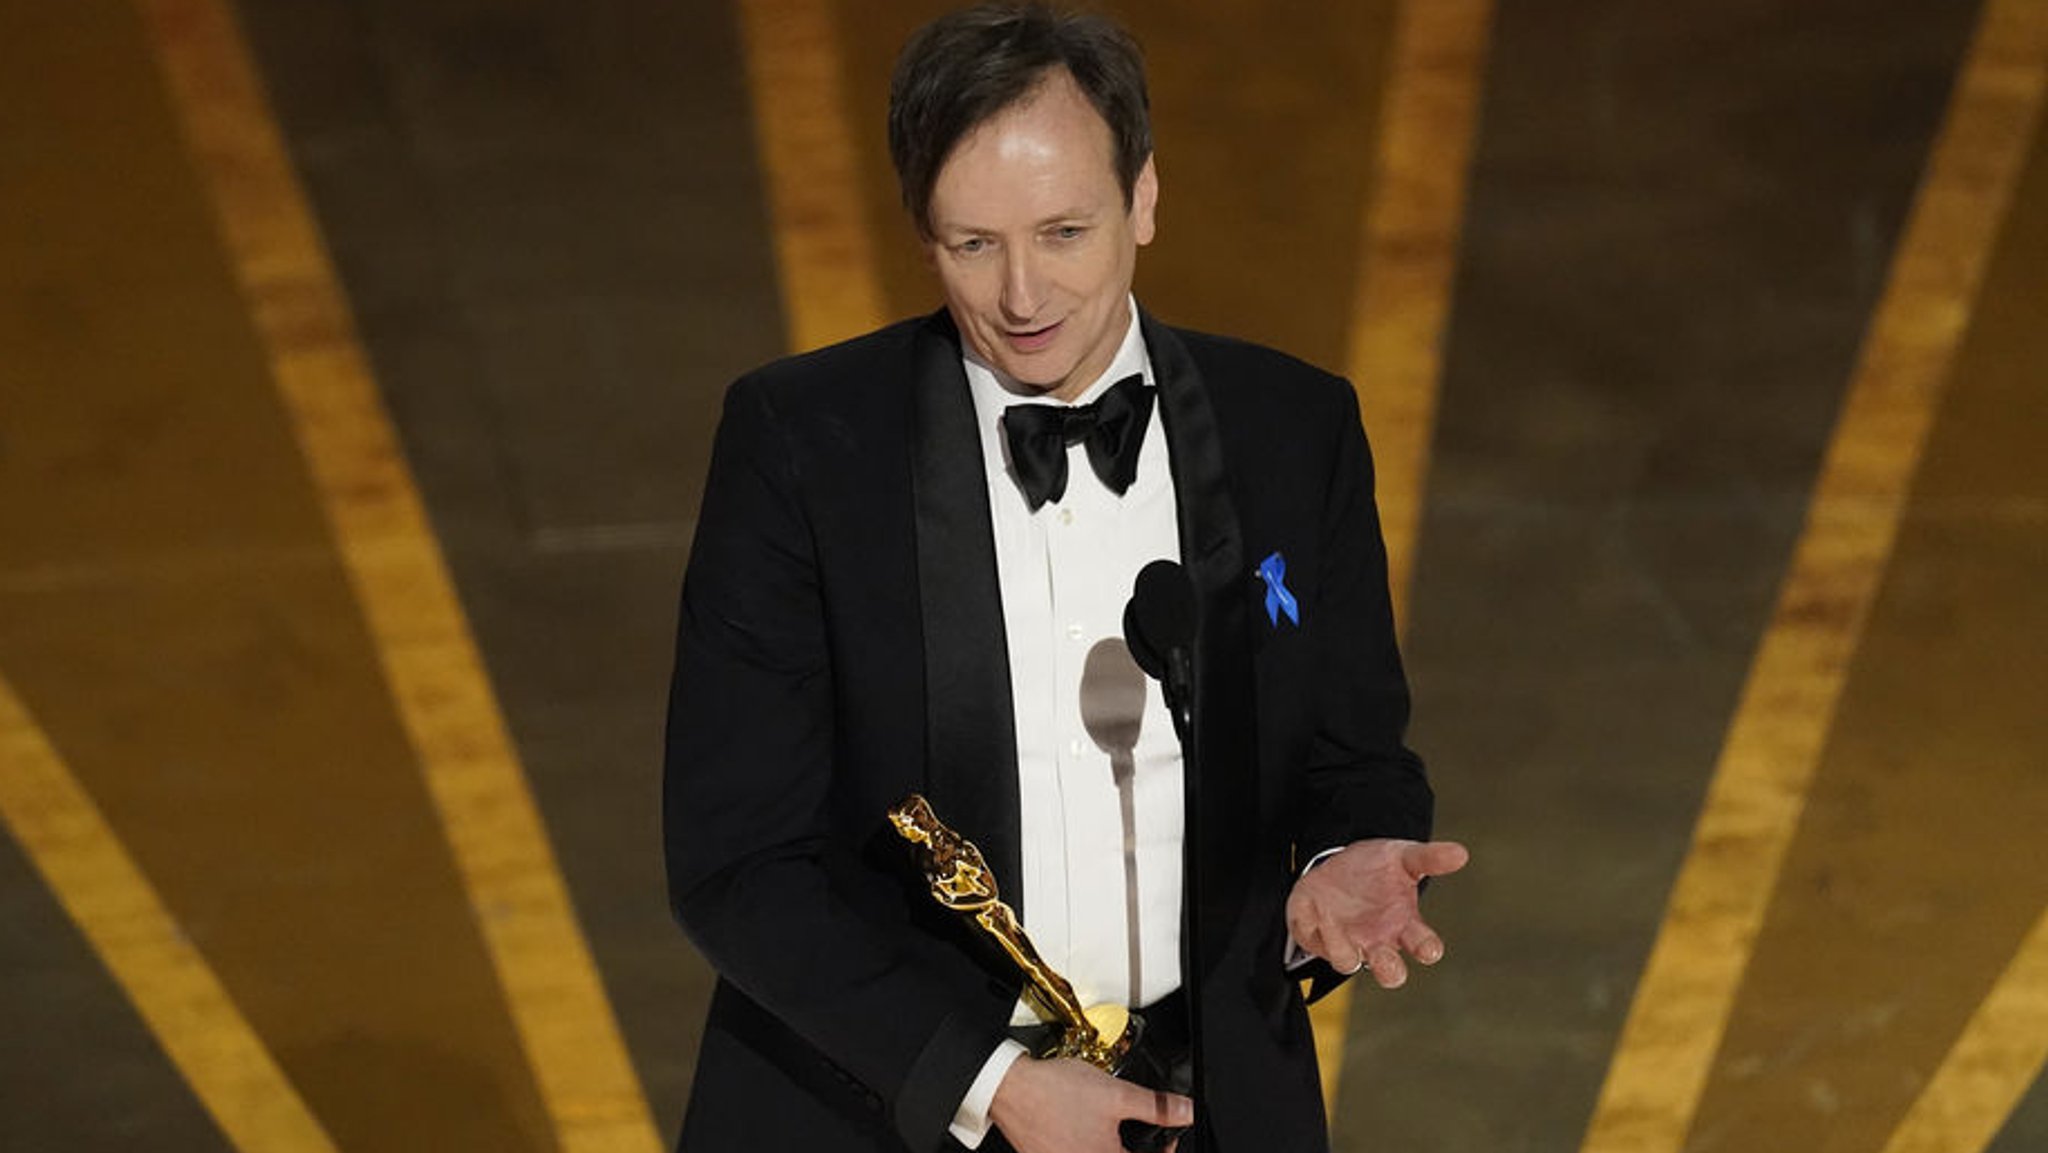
{"x":1357,"y":907}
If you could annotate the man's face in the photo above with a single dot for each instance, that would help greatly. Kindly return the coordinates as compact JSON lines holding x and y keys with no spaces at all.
{"x":1033,"y":242}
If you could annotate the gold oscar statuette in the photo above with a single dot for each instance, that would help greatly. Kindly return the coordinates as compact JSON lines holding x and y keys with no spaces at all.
{"x":961,"y":880}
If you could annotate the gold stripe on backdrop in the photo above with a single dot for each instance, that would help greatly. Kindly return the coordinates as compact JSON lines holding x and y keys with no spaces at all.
{"x":1403,"y":302}
{"x":1412,"y":228}
{"x":167,"y":980}
{"x":438,"y":682}
{"x":830,"y":287}
{"x":1777,"y":735}
{"x":2000,"y":1053}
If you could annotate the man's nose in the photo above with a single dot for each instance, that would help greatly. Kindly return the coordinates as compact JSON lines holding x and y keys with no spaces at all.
{"x":1023,"y":284}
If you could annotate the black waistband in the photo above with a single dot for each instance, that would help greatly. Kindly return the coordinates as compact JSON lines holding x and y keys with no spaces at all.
{"x":1166,"y":1027}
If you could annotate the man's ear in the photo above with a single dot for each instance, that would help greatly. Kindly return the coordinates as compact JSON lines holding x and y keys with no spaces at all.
{"x":1144,"y":202}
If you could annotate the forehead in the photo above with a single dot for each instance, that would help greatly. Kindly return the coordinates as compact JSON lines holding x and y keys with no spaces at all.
{"x":1049,"y":147}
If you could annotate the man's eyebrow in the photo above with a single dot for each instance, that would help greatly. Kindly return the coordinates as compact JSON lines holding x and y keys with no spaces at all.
{"x":955,"y":227}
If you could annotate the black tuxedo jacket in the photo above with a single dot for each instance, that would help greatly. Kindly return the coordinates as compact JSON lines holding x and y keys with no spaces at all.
{"x":841,"y":646}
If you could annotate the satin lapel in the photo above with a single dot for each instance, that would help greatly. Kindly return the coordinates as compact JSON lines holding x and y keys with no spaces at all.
{"x":1226,"y":797}
{"x":970,"y":732}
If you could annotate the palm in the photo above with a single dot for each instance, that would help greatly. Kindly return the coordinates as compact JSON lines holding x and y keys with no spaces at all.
{"x":1359,"y":906}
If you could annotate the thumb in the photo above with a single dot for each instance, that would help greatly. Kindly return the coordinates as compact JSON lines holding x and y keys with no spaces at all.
{"x":1436,"y":858}
{"x":1157,"y":1106}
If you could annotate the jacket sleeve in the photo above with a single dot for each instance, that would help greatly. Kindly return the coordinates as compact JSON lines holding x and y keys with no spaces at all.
{"x":746,"y":791}
{"x":1362,"y":780}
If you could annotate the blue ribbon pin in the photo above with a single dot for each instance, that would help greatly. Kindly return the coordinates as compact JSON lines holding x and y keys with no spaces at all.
{"x":1273,"y":570}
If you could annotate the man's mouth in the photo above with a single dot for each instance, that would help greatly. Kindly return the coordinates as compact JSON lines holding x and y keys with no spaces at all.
{"x":1032,"y":339}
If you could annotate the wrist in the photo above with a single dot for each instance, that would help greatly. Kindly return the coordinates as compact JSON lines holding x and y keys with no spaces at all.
{"x":976,"y":1113}
{"x":1012,"y":1091}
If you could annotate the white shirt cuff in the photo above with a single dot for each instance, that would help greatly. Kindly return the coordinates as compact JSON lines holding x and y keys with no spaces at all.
{"x":970,"y":1120}
{"x":1296,"y":955}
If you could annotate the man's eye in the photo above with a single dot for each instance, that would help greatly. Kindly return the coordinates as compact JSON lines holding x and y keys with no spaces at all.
{"x":1068,"y":232}
{"x":971,"y":246}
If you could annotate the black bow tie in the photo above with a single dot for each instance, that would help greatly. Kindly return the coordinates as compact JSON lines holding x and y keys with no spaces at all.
{"x":1112,"y":427}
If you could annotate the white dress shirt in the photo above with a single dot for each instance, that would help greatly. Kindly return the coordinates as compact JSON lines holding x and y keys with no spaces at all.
{"x":1101,"y":814}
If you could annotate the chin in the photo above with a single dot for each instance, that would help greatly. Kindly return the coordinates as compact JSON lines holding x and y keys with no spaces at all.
{"x":1040,"y":381}
{"x":1036,"y":372}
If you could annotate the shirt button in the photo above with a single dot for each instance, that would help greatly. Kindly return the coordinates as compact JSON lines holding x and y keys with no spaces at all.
{"x":1075,"y":632}
{"x":1066,"y":516}
{"x":1075,"y":747}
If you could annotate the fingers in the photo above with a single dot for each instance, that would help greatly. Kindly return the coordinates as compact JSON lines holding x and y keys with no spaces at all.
{"x":1306,"y":930}
{"x":1157,"y":1106}
{"x":1334,"y":946}
{"x":1340,"y":953}
{"x":1387,"y":967}
{"x":1349,"y":956}
{"x":1422,"y":943}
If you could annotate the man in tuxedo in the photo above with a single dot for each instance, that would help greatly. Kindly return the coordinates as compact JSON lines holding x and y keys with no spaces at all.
{"x":909,"y":576}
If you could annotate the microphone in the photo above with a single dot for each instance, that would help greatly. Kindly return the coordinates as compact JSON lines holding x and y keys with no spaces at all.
{"x":1159,"y":628}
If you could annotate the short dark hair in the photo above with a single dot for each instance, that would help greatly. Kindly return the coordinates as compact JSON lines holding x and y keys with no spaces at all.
{"x":963,"y":69}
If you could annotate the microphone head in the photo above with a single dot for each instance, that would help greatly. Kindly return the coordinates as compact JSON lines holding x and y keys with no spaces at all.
{"x":1160,"y":617}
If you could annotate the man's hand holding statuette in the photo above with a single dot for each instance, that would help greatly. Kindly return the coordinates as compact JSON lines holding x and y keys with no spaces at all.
{"x":1070,"y":1106}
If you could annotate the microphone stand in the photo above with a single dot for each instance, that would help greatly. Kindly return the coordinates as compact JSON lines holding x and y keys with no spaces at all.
{"x":1180,"y":701}
{"x":1160,"y":629}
